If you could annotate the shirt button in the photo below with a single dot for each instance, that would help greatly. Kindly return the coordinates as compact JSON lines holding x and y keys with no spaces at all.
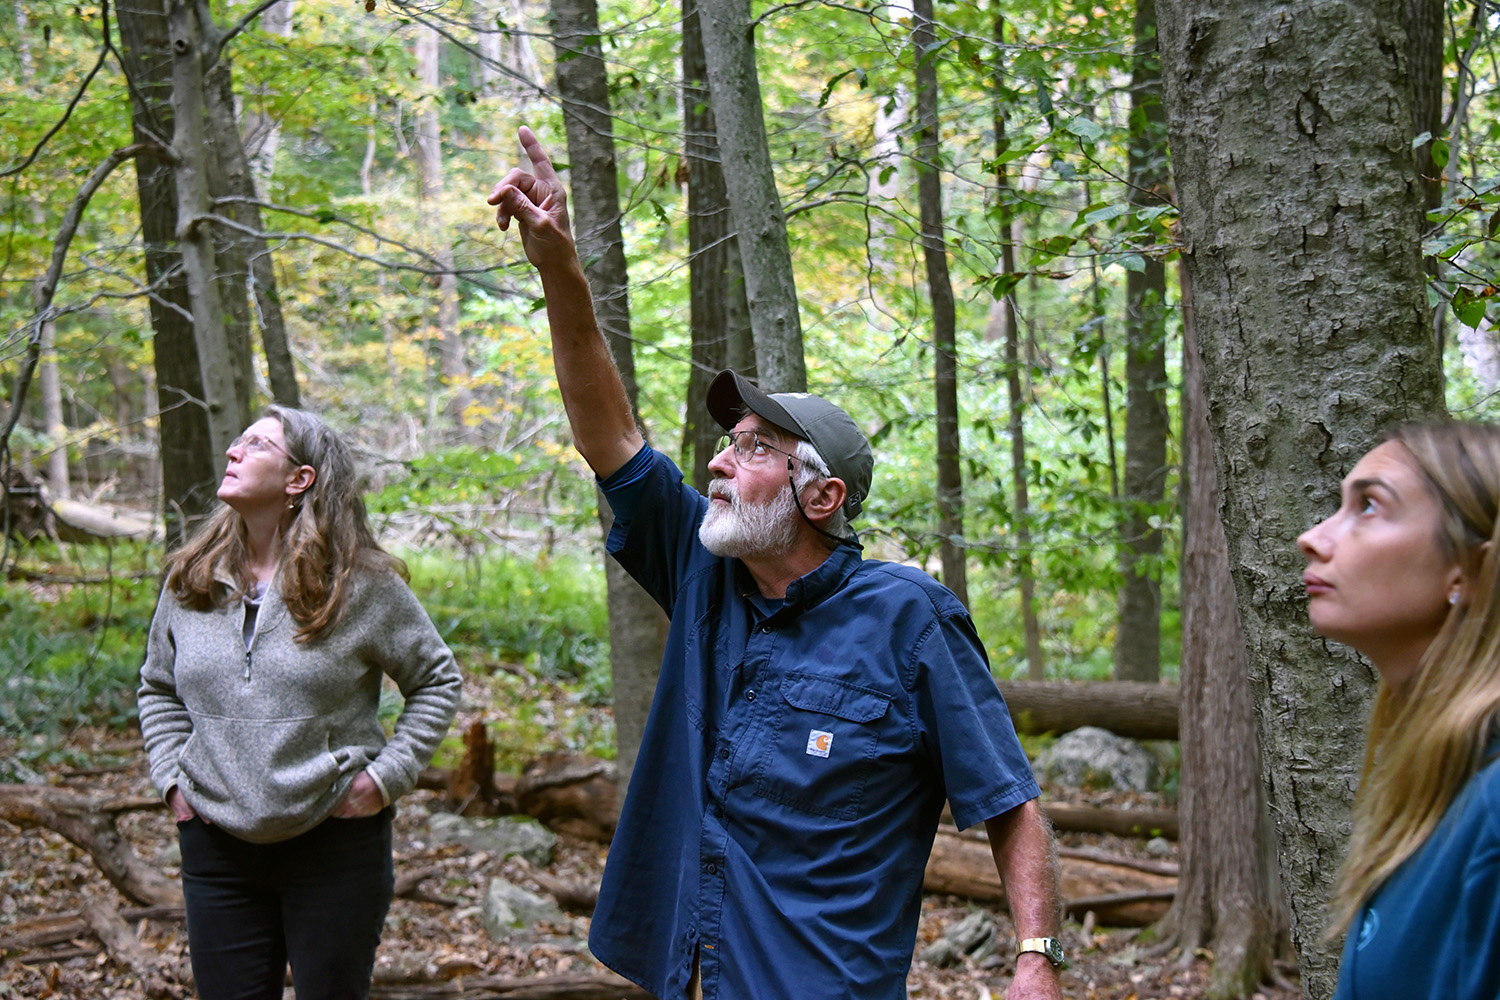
{"x":765,"y":629}
{"x":723,"y":753}
{"x":711,"y":868}
{"x":750,"y":695}
{"x":692,"y":933}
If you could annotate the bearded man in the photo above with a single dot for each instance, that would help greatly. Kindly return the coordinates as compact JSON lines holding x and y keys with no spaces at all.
{"x":815,"y":709}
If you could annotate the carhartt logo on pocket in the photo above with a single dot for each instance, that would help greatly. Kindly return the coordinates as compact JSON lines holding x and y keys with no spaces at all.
{"x":818,"y":743}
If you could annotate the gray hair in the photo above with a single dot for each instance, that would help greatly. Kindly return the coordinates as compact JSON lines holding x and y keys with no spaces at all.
{"x":812,"y":469}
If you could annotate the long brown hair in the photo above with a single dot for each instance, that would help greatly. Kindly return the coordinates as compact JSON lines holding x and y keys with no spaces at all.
{"x":1428,"y":739}
{"x":325,"y":537}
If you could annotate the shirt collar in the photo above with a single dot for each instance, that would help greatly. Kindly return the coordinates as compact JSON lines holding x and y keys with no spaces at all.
{"x":805,"y":592}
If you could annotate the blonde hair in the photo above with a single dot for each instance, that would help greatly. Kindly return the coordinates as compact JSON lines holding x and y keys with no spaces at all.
{"x":325,"y":537}
{"x":1428,"y":739}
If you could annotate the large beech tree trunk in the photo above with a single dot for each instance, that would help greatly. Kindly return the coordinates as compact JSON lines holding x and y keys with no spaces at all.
{"x":1290,"y":127}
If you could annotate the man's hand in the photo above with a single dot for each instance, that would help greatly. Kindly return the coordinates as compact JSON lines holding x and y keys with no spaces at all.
{"x":538,"y":203}
{"x":1035,"y":979}
{"x":363,"y":798}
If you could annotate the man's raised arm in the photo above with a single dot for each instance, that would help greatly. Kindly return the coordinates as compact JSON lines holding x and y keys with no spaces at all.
{"x":604,"y":430}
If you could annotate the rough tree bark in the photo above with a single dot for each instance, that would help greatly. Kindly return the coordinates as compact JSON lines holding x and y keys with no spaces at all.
{"x":1290,"y":127}
{"x":1138,"y":635}
{"x":1228,"y":900}
{"x":950,"y":485}
{"x":759,"y":220}
{"x":720,"y":315}
{"x":637,"y":626}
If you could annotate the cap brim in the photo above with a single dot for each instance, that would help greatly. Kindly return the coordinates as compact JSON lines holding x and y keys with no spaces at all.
{"x":731,"y":394}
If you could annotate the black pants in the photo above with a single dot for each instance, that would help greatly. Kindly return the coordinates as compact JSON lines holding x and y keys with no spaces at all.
{"x":317,"y":901}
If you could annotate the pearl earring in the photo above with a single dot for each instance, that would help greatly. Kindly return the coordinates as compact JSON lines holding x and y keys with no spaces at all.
{"x":1453,"y":597}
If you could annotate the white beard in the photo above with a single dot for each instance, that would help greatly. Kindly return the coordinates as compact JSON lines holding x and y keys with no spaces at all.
{"x":742,"y":530}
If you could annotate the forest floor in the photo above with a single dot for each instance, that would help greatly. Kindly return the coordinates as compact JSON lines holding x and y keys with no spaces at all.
{"x":442,"y":943}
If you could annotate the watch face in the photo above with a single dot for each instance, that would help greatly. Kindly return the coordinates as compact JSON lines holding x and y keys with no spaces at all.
{"x":1054,"y":951}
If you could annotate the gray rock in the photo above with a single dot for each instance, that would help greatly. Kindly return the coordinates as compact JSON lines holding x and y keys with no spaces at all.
{"x":942,"y":954}
{"x":14,"y":771}
{"x":510,"y":911}
{"x":1158,"y":847}
{"x":503,"y":836}
{"x":974,"y":935}
{"x":1096,"y":758}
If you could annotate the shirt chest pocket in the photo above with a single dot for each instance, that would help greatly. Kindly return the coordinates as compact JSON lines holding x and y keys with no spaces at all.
{"x":825,"y":737}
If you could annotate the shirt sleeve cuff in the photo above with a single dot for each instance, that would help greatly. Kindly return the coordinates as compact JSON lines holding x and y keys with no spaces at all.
{"x":385,"y":796}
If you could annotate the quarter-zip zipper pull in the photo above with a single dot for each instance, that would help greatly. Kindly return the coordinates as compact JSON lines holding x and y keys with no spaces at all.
{"x":247,"y":664}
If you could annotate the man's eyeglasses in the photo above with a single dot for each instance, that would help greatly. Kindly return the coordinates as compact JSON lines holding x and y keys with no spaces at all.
{"x":748,"y":447}
{"x":254,"y":444}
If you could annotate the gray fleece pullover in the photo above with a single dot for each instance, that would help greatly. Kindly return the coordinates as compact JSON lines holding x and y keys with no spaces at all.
{"x":265,"y":743}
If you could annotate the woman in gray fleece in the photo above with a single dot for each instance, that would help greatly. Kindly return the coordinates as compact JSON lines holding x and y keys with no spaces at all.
{"x":258,"y":704}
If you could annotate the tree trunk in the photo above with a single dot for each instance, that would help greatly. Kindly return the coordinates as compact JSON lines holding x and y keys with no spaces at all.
{"x":770,"y":286}
{"x":429,"y":149}
{"x":1423,"y":20}
{"x":720,"y":315}
{"x":225,"y":400}
{"x":950,"y":487}
{"x":1291,"y":138}
{"x":187,"y":451}
{"x":637,"y":626}
{"x":1138,"y":637}
{"x":1228,"y":898}
{"x":252,"y":272}
{"x":49,"y":382}
{"x":1003,"y":313}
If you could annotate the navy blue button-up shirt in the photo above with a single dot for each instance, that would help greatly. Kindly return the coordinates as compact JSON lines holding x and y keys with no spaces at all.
{"x":794,"y":764}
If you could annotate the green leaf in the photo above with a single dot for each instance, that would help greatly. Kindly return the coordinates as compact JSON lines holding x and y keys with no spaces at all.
{"x":1468,"y":307}
{"x":1440,"y":153}
{"x":1133,"y":262}
{"x":1106,"y":213}
{"x":1084,"y":128}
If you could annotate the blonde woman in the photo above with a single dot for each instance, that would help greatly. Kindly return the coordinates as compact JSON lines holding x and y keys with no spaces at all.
{"x":258,"y":705}
{"x":1405,"y":572}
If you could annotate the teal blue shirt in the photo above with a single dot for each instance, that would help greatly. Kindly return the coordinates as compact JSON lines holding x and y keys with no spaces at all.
{"x":1432,"y":930}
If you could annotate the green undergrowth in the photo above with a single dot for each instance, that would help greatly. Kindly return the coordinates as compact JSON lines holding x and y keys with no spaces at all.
{"x":532,"y":631}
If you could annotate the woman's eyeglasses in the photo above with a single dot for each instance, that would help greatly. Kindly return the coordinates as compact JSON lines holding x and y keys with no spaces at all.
{"x":254,"y":444}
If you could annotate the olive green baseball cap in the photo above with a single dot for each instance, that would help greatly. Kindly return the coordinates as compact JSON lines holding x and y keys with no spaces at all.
{"x":832,"y":431}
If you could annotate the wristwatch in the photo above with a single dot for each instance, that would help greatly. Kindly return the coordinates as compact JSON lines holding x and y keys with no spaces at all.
{"x":1049,"y":947}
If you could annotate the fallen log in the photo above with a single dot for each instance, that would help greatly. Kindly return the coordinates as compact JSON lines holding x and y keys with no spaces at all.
{"x":1103,"y":819}
{"x":83,"y":522}
{"x":582,"y":986}
{"x":39,"y":932}
{"x":571,"y":793}
{"x":90,"y":824}
{"x":964,"y":866}
{"x":1126,"y":708}
{"x":108,"y":925}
